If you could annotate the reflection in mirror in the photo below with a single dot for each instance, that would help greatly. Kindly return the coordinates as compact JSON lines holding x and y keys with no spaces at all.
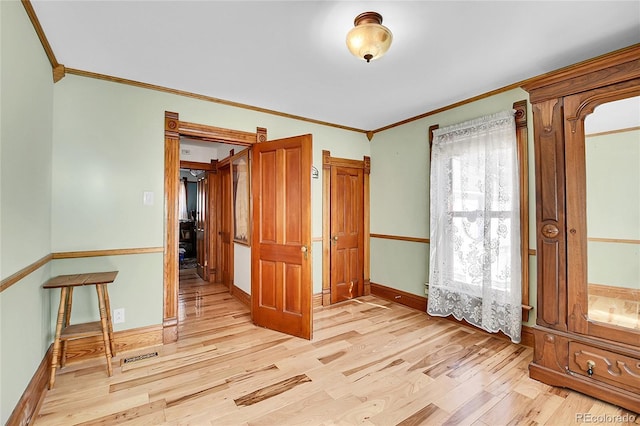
{"x":612,"y":152}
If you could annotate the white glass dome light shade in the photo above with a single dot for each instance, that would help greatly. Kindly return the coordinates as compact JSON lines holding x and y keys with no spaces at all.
{"x":369,"y":39}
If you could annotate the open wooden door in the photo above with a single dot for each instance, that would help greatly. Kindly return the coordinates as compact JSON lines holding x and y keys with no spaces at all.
{"x":212,"y":237}
{"x":225,"y":227}
{"x":281,"y":238}
{"x":202,"y":228}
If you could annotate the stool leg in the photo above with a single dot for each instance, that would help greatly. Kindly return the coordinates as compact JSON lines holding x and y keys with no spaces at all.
{"x":67,"y":321}
{"x":109,"y":323}
{"x":105,"y":327}
{"x":56,"y":340}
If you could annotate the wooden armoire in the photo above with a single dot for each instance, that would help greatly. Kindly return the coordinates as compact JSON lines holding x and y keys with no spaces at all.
{"x":587,"y":333}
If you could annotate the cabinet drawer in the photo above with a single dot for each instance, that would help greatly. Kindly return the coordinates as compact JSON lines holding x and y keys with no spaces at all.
{"x":609,"y":367}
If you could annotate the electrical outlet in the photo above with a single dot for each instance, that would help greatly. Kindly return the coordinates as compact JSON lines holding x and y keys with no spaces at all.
{"x":118,"y":316}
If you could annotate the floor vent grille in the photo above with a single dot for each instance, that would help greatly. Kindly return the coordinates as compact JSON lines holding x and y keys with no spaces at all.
{"x":140,"y":357}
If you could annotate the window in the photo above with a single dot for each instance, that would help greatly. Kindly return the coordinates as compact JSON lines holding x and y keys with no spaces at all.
{"x":476,"y":249}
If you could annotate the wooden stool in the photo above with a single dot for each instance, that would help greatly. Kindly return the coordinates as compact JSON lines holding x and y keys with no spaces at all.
{"x":66,"y":331}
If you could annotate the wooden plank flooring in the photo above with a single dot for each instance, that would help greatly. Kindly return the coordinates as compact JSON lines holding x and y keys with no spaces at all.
{"x":371,"y":362}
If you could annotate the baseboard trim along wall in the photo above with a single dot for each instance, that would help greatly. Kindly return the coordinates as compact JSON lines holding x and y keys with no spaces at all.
{"x":241,"y":295}
{"x":399,"y":296}
{"x":317,"y":301}
{"x":29,"y":404}
{"x":420,"y":303}
{"x":125,"y":340}
{"x":78,"y":350}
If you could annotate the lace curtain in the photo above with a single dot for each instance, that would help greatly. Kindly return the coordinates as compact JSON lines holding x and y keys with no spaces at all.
{"x":475,"y":262}
{"x":182,"y":202}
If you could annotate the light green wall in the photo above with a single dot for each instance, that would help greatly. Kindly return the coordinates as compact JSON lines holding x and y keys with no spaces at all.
{"x":400,"y":194}
{"x":613,"y":208}
{"x":108,"y":148}
{"x":139,"y":282}
{"x":614,"y":264}
{"x":613,"y":192}
{"x":26,"y":142}
{"x":26,"y":86}
{"x":242,"y":273}
{"x":106,"y":154}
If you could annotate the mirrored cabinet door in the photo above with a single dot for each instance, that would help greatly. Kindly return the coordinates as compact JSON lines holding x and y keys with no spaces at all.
{"x":603,"y":215}
{"x":612,"y":169}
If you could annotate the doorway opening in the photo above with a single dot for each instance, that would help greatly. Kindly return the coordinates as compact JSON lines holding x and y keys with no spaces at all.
{"x":202,"y":206}
{"x":187,"y":204}
{"x":207,"y":226}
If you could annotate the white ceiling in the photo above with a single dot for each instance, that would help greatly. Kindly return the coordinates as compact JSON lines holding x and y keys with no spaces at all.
{"x":290,"y":56}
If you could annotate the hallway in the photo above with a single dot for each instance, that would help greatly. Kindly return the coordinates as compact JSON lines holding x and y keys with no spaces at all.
{"x":206,"y":308}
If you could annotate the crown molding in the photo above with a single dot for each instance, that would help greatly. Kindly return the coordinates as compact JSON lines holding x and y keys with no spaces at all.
{"x":59,"y":72}
{"x":58,"y":69}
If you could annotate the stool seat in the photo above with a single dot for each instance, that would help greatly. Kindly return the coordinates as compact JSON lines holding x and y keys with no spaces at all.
{"x":66,"y":331}
{"x":75,"y":280}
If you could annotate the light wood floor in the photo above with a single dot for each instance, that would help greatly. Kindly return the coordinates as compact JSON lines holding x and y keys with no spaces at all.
{"x":370,"y":362}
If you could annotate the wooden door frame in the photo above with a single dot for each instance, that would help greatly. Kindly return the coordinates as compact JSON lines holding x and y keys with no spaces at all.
{"x":173,"y":130}
{"x":327,"y":162}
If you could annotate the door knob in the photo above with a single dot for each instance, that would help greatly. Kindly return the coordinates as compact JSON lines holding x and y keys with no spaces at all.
{"x":304,"y":250}
{"x":334,"y":240}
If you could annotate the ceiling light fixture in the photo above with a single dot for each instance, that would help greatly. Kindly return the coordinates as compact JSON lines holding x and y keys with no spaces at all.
{"x":369,"y":39}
